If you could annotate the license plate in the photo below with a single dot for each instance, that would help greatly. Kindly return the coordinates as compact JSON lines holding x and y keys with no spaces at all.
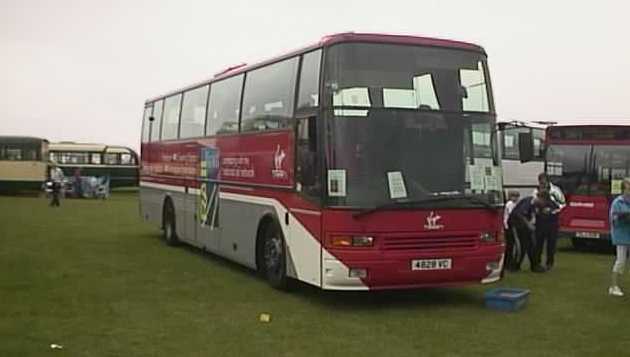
{"x":431,"y":264}
{"x":593,"y":235}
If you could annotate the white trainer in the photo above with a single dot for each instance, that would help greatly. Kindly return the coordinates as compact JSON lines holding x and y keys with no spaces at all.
{"x":615,"y":291}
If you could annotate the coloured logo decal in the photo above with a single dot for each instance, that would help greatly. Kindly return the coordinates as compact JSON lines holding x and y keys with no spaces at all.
{"x":209,"y":189}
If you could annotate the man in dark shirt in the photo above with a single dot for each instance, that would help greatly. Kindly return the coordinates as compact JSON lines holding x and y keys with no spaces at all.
{"x":546,"y":229}
{"x":521,"y":224}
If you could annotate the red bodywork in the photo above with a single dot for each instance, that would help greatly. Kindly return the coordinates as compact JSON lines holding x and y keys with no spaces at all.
{"x":263,"y":165}
{"x":247,"y":161}
{"x":585,"y":214}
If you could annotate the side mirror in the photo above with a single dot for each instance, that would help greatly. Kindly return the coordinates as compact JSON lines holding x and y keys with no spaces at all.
{"x":526,"y":147}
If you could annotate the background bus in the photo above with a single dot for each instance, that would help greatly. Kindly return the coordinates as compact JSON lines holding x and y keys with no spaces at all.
{"x":118,"y":163}
{"x":588,"y":162}
{"x":360,"y":162}
{"x":517,"y":175}
{"x":23,"y":163}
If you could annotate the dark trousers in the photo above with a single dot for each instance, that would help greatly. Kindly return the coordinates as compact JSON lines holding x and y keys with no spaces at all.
{"x":546,"y":234}
{"x":526,"y":239}
{"x":56,"y":191}
{"x":510,"y":257}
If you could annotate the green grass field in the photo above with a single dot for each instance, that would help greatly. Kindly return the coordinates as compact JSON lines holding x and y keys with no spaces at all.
{"x":91,"y":276}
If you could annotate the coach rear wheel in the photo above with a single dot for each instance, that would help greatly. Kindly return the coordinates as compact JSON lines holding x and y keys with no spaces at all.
{"x":274,"y":257}
{"x":170,"y":235}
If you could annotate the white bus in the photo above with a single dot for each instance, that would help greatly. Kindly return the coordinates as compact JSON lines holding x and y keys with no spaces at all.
{"x":520,"y":176}
{"x":23,"y":163}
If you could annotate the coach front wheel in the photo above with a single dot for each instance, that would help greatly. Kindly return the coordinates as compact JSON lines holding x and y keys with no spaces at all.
{"x":274,"y":257}
{"x":170,"y":234}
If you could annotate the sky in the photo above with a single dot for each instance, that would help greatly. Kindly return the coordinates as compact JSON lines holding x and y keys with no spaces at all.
{"x":81,"y":70}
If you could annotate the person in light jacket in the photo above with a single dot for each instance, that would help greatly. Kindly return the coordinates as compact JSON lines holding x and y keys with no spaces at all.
{"x":620,"y":233}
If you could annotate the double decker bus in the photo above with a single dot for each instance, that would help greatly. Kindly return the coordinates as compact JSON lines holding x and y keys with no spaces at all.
{"x":520,"y":175}
{"x":119,"y":163}
{"x":23,"y":163}
{"x":360,"y":162}
{"x":588,"y":162}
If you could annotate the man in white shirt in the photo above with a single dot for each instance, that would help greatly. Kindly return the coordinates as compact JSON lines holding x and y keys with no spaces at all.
{"x":556,"y":195}
{"x":56,"y":176}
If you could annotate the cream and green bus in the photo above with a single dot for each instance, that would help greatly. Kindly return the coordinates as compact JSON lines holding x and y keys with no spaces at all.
{"x":23,"y":163}
{"x":119,"y":163}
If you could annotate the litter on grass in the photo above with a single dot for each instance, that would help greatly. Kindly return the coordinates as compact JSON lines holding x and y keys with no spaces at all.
{"x":56,"y":347}
{"x":264,"y":318}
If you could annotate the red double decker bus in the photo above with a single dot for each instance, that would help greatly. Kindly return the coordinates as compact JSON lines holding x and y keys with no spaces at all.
{"x":360,"y":162}
{"x":588,"y":162}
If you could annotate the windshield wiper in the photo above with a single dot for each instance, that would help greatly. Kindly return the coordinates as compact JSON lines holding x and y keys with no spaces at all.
{"x":414,"y":203}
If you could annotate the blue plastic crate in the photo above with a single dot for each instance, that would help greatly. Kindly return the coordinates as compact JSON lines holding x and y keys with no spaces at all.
{"x":506,"y":299}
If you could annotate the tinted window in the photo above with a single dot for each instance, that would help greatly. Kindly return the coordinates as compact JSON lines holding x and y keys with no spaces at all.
{"x":510,"y":142}
{"x":96,"y":158}
{"x":74,"y":158}
{"x":194,"y":113}
{"x":126,"y":159}
{"x":223,"y":108}
{"x":111,"y":159}
{"x":170,"y":126}
{"x":308,"y":96}
{"x":146,"y":125}
{"x":269,"y":96}
{"x":157,"y":121}
{"x":20,"y":152}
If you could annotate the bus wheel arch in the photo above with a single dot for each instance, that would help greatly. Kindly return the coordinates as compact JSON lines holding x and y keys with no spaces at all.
{"x":169,"y":222}
{"x":271,"y":254}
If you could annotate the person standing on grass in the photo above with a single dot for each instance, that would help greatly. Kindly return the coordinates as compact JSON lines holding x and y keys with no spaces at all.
{"x":56,"y":177}
{"x":77,"y":184}
{"x":553,"y":202}
{"x":521,"y":225}
{"x":620,"y":233}
{"x":546,"y":230}
{"x":512,"y":250}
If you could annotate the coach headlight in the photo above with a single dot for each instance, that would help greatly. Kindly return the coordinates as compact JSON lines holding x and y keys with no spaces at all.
{"x":487,"y":237}
{"x":352,"y":241}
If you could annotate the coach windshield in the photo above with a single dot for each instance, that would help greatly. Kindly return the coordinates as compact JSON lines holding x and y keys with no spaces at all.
{"x":409,"y":123}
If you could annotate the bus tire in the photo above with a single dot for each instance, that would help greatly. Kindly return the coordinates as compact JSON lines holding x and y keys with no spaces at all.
{"x":274,"y":257}
{"x":169,"y":232}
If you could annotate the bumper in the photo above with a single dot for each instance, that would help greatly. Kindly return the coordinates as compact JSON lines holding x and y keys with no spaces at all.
{"x":393,"y":271}
{"x":576,"y":235}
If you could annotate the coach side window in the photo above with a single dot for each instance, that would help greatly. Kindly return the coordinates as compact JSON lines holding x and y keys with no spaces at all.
{"x":146,"y":124}
{"x":157,"y":121}
{"x":308,"y":96}
{"x":269,"y":96}
{"x":194,"y":113}
{"x":172,"y":106}
{"x":223,"y":106}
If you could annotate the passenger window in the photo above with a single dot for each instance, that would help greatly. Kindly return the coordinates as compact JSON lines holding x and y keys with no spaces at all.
{"x":269,"y":96}
{"x":125,"y":159}
{"x":157,"y":121}
{"x":96,"y":158}
{"x":194,"y":113}
{"x":146,"y":124}
{"x":223,"y":106}
{"x":308,"y":96}
{"x":172,"y":106}
{"x":111,"y":159}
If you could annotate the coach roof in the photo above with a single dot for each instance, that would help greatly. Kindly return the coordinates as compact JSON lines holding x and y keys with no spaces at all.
{"x":328,"y":41}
